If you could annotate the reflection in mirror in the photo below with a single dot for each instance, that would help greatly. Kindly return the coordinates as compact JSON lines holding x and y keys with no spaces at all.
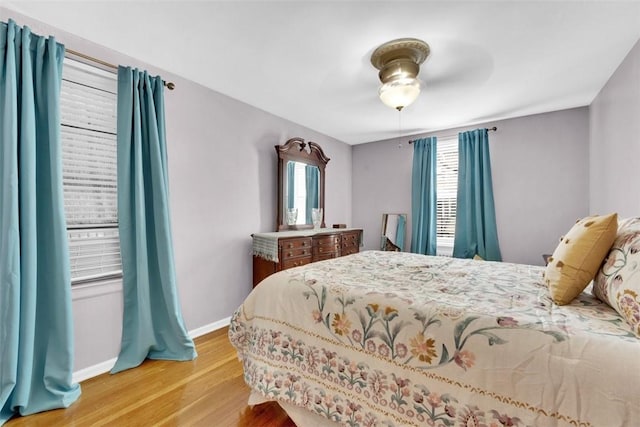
{"x":303,"y":192}
{"x":393,"y":232}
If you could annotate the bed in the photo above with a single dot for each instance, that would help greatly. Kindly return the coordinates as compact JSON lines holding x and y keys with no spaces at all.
{"x":398,"y":339}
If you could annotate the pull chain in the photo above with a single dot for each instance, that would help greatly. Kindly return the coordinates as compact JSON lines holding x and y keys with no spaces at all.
{"x":399,"y":128}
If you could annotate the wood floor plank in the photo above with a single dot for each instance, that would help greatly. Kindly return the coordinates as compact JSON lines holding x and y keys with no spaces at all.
{"x":208,"y":391}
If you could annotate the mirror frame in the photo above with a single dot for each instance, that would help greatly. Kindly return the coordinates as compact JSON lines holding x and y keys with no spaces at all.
{"x":297,"y":150}
{"x":385,"y":243}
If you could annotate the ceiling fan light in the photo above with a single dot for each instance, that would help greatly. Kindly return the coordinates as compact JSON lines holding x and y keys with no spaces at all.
{"x":399,"y":93}
{"x":399,"y":64}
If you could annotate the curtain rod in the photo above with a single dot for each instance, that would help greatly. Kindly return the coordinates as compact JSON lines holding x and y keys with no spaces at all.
{"x":451,"y":136}
{"x":169,"y":85}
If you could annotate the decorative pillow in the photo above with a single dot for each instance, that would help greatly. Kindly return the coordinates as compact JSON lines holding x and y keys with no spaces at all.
{"x":578,"y":256}
{"x":618,"y":280}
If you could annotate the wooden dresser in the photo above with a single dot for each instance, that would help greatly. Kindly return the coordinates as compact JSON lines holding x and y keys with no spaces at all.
{"x":296,"y":248}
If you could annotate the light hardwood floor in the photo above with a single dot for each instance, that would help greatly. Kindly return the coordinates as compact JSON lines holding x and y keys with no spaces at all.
{"x":208,"y":391}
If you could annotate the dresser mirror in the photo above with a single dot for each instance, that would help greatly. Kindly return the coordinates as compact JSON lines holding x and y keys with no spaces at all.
{"x":301,"y":169}
{"x":393,"y":232}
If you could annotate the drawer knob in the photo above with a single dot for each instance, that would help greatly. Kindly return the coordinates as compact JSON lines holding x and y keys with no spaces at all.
{"x":289,"y":254}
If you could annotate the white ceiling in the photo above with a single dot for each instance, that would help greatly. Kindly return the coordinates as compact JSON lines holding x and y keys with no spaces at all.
{"x":308,"y":61}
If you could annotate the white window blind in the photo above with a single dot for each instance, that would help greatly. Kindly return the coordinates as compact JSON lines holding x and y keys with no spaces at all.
{"x":447,"y":189}
{"x":88,"y":117}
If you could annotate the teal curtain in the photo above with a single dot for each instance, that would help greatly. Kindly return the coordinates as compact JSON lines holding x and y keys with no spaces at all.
{"x":291,"y":179}
{"x":36,"y":330}
{"x":400,"y":231}
{"x":312,"y":175}
{"x":423,"y":196}
{"x":476,"y":231}
{"x":152,"y":325}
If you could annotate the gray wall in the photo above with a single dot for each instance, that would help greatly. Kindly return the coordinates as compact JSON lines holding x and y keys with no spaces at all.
{"x":614,"y":118}
{"x":540,"y":179}
{"x":222,"y":179}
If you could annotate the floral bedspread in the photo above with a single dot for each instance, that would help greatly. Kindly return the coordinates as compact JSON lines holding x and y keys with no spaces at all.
{"x":398,"y":339}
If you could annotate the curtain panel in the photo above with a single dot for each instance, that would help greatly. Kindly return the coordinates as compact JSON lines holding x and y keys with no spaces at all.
{"x":476,"y":231}
{"x":36,"y":330}
{"x":152,"y":324}
{"x":423,"y":197}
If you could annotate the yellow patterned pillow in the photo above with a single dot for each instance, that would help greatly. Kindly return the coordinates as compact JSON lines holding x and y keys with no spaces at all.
{"x":578,"y":256}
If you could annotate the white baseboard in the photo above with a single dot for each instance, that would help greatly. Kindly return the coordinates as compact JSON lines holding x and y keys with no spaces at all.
{"x":102,"y":367}
{"x":195,"y":333}
{"x":93,"y":371}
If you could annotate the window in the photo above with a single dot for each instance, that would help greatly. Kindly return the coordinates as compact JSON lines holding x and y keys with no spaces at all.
{"x":88,"y":117}
{"x":447,"y":189}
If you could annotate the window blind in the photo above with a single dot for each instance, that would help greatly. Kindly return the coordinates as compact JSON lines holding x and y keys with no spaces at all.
{"x":88,"y":118}
{"x":447,"y":189}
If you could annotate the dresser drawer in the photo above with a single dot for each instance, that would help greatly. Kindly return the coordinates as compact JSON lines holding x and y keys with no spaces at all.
{"x":295,"y":262}
{"x":325,"y":247}
{"x":295,"y":253}
{"x":350,"y":250}
{"x":323,"y":256}
{"x":295,"y":243}
{"x":350,"y":243}
{"x":326,"y":251}
{"x":328,"y":240}
{"x":351,"y":239}
{"x":295,"y":248}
